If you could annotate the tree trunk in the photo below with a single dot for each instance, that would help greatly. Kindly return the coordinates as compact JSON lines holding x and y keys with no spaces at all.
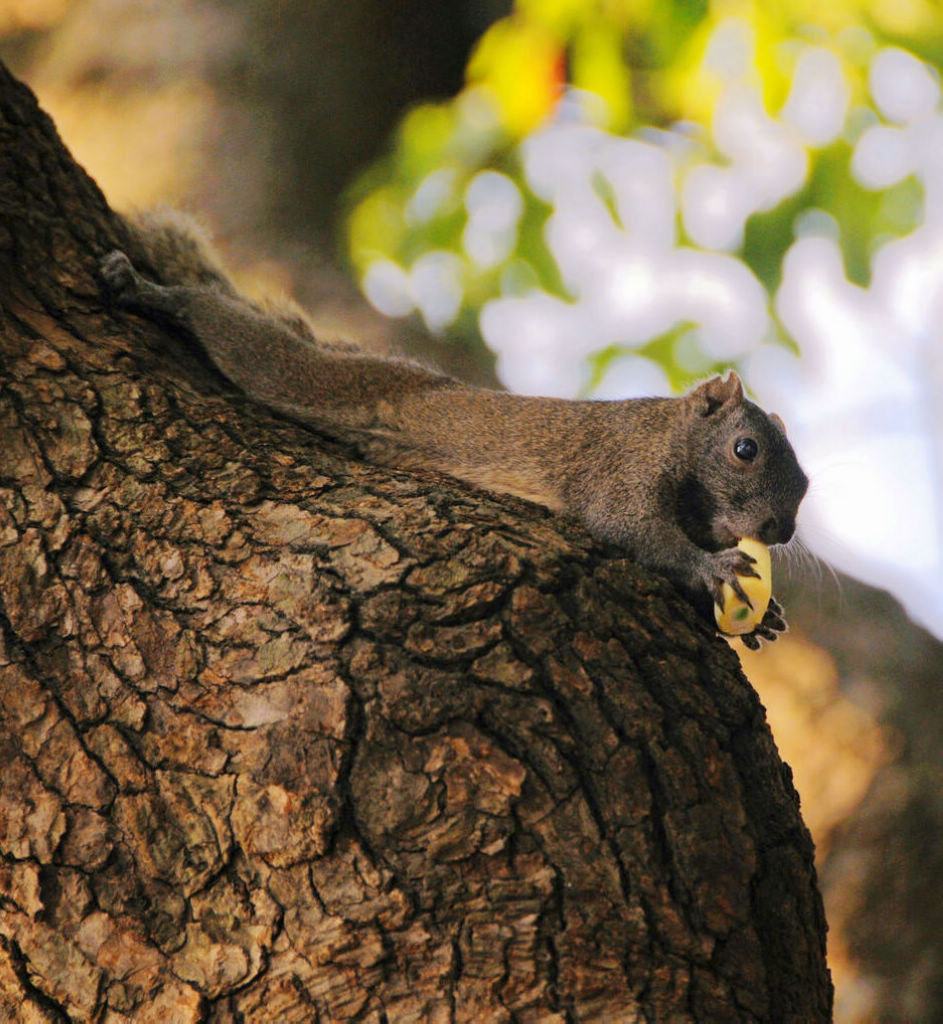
{"x":287,"y":737}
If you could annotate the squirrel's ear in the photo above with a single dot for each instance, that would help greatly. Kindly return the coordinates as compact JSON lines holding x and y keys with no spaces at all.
{"x":715,"y":392}
{"x":777,"y":422}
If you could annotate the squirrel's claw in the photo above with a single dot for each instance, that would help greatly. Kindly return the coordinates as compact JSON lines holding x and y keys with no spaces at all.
{"x":124,"y":285}
{"x":127,"y":289}
{"x":725,"y":567}
{"x":774,"y":618}
{"x":118,"y":274}
{"x":769,"y":629}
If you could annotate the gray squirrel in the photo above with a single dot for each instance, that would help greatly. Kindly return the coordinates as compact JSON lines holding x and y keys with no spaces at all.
{"x":674,"y":482}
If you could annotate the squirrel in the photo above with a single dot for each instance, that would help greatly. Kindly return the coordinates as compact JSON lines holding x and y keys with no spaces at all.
{"x":674,"y":482}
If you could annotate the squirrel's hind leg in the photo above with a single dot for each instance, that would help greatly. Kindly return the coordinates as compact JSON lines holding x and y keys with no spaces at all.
{"x":130,"y":290}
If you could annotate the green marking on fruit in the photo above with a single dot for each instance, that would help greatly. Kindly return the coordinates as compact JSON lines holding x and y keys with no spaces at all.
{"x":741,"y":613}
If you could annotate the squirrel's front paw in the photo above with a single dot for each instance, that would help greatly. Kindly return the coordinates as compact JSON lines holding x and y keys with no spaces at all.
{"x":119,"y":276}
{"x":769,"y":629}
{"x":725,"y":567}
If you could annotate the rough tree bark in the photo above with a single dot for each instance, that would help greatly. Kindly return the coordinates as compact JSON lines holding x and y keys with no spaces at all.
{"x":286,"y":737}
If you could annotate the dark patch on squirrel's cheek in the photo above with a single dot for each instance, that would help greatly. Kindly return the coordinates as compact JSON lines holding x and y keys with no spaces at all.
{"x":696,"y":510}
{"x":787,"y":527}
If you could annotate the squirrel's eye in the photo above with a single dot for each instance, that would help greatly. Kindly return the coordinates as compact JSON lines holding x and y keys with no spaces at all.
{"x":746,"y":449}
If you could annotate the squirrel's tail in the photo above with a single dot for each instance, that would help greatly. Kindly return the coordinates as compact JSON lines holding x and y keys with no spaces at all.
{"x":176,"y":249}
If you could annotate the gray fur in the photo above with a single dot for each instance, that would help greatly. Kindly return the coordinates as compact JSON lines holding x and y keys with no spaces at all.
{"x":658,"y":477}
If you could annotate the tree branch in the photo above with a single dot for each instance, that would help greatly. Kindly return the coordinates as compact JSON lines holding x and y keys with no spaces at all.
{"x":286,"y":736}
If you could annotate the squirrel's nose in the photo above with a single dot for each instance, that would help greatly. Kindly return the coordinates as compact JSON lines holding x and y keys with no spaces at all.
{"x":778,"y":529}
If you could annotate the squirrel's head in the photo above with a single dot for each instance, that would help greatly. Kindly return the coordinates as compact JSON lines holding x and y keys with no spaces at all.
{"x":747,"y":481}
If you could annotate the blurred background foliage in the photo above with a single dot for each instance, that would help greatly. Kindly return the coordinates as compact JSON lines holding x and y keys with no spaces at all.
{"x":431,"y":227}
{"x":600,"y":198}
{"x":625,"y":196}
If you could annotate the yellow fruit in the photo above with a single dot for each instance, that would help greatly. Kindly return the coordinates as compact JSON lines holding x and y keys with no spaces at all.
{"x":736,"y":617}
